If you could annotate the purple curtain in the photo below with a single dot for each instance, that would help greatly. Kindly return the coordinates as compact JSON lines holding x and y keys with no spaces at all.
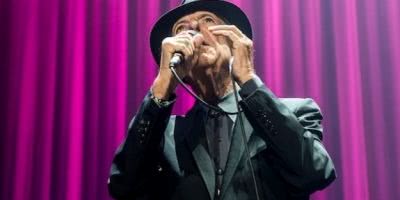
{"x":73,"y":72}
{"x":63,"y":96}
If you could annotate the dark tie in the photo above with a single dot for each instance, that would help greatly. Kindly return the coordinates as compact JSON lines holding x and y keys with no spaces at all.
{"x":218,"y":132}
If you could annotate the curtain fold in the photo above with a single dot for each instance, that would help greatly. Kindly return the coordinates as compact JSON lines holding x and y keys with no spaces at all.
{"x":73,"y":73}
{"x":64,"y":90}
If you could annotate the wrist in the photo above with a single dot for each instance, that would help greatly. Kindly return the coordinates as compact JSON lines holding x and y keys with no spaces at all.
{"x":243,"y":79}
{"x":163,"y":103}
{"x":164,"y":86}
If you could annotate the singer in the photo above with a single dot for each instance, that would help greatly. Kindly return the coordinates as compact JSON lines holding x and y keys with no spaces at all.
{"x":269,"y":148}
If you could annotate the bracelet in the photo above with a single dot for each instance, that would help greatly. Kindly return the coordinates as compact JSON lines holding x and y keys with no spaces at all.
{"x":161,"y":102}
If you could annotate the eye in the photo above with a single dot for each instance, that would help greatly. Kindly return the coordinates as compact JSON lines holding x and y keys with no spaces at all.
{"x":180,"y":28}
{"x":208,"y":20}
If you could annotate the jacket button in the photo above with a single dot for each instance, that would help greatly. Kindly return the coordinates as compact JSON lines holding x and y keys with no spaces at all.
{"x":142,"y":137}
{"x":218,"y":192}
{"x":144,"y":122}
{"x":220,"y":171}
{"x":269,"y":125}
{"x":159,"y":168}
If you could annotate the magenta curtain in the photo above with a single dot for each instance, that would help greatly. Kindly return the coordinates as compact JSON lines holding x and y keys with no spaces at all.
{"x":63,"y":96}
{"x":72,"y":73}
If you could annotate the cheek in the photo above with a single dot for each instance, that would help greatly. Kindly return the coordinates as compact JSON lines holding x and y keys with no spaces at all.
{"x":225,"y":51}
{"x":222,"y":40}
{"x":224,"y":45}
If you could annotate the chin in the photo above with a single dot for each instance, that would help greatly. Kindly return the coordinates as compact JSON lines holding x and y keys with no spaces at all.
{"x":208,"y":56}
{"x":207,"y":59}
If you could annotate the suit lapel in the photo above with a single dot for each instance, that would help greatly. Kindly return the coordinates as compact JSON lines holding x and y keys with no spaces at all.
{"x":236,"y":151}
{"x":194,"y":128}
{"x":206,"y":168}
{"x":199,"y":152}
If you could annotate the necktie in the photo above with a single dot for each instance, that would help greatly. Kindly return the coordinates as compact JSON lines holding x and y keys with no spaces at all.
{"x":218,"y":132}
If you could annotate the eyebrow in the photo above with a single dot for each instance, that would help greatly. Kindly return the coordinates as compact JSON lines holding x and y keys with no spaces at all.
{"x":186,"y":21}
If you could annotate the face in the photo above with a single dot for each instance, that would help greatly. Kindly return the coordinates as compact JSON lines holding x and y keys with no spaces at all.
{"x":211,"y":49}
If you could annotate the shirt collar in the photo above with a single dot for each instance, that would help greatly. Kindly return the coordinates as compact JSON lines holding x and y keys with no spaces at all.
{"x":227,"y":103}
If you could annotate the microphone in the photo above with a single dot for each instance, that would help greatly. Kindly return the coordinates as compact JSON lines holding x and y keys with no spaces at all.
{"x":177,"y":58}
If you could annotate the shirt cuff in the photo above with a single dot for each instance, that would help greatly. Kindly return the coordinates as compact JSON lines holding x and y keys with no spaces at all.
{"x":250,"y":86}
{"x":163,"y":103}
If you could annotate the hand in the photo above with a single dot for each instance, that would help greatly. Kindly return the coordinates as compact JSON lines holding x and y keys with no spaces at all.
{"x":165,"y":82}
{"x":242,"y":51}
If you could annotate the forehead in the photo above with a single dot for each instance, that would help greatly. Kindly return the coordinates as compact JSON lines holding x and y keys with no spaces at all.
{"x":196,"y":15}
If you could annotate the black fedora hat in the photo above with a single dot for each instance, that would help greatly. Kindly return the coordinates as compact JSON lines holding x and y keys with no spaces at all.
{"x":226,"y":10}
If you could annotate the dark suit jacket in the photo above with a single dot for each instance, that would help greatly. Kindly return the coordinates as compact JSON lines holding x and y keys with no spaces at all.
{"x":164,"y":156}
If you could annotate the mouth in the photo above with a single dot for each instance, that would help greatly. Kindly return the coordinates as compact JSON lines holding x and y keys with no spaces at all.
{"x":206,"y":43}
{"x":203,"y":46}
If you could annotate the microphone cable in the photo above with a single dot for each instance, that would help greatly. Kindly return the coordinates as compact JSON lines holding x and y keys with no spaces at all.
{"x":216,"y":108}
{"x":240,"y":118}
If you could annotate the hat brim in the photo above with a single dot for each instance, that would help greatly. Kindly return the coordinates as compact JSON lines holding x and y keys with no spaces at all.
{"x":226,"y":10}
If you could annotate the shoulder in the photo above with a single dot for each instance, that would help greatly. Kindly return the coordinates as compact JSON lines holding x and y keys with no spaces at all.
{"x":300,"y":106}
{"x":307,"y":113}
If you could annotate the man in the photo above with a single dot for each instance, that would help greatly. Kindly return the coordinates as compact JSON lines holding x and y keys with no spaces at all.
{"x":202,"y":155}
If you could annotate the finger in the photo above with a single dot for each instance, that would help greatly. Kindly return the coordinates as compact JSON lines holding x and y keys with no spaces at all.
{"x":227,"y":27}
{"x":187,"y":42}
{"x":182,"y":33}
{"x":198,"y":40}
{"x":187,"y":52}
{"x":195,"y":58}
{"x":208,"y":36}
{"x":187,"y":39}
{"x":229,"y":34}
{"x":187,"y":36}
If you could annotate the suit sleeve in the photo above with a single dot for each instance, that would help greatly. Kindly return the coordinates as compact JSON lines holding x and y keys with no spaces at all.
{"x":295,"y":138}
{"x":136,"y":159}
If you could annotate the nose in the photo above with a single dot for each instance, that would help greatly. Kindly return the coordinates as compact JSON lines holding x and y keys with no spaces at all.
{"x":194,"y":25}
